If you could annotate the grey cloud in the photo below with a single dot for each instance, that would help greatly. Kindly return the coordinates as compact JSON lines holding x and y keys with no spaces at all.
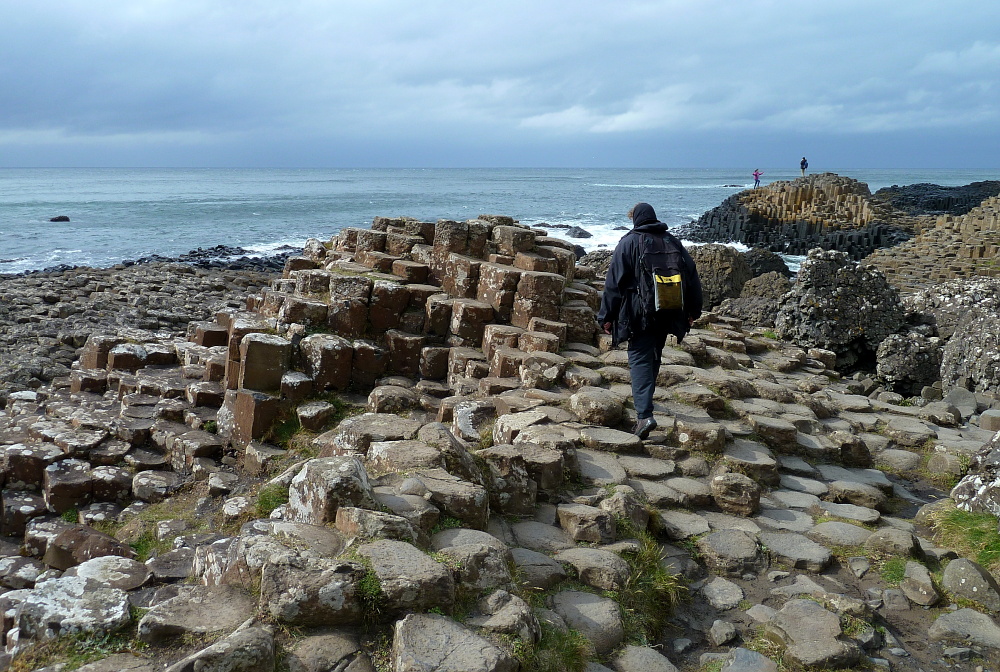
{"x":473,"y":77}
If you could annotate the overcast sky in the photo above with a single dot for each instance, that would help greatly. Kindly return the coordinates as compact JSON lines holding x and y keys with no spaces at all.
{"x":671,"y":83}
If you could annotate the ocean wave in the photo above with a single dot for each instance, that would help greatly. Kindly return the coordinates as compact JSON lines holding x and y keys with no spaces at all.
{"x":685,"y":187}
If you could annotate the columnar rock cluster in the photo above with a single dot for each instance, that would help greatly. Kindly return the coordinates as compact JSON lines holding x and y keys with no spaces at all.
{"x":824,"y":210}
{"x":955,"y":247}
{"x":486,"y":500}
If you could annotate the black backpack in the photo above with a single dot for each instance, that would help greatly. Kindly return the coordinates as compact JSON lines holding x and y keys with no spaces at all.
{"x":661,"y":277}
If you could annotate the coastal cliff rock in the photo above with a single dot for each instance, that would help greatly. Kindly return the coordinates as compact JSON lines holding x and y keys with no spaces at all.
{"x":824,"y":210}
{"x":838,"y":305}
{"x":971,"y":359}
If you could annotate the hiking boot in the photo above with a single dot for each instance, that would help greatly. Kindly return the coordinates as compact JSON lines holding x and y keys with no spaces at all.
{"x":643,"y":427}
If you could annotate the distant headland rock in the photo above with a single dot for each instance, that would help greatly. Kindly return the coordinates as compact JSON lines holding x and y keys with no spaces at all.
{"x":832,"y":212}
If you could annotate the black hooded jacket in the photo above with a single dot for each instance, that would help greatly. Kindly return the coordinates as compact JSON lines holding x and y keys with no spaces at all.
{"x":620,"y":303}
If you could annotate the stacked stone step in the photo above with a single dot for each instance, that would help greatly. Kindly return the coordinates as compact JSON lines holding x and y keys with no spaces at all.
{"x":398,"y":298}
{"x":955,"y":247}
{"x":127,"y":427}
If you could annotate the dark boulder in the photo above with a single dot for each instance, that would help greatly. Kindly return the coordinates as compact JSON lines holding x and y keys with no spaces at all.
{"x":838,"y":305}
{"x":758,"y":302}
{"x":722,"y":270}
{"x":59,"y":218}
{"x":763,"y":261}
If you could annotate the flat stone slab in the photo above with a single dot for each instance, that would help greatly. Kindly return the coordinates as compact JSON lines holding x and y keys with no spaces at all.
{"x":71,"y":605}
{"x":600,"y":468}
{"x":796,"y":550}
{"x":197,"y":610}
{"x":596,"y":618}
{"x":424,"y":642}
{"x":873,"y":477}
{"x":541,"y":537}
{"x":785,"y":519}
{"x":610,"y":440}
{"x":834,"y":533}
{"x":909,"y":432}
{"x":649,"y":468}
{"x":803,"y":484}
{"x":113,"y":571}
{"x":795,"y":500}
{"x":725,"y":521}
{"x":679,"y":525}
{"x":862,"y":514}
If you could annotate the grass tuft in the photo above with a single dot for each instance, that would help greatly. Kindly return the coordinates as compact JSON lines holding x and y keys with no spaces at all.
{"x":971,"y":535}
{"x":556,"y":651}
{"x":649,"y":595}
{"x":76,"y":650}
{"x":269,"y":498}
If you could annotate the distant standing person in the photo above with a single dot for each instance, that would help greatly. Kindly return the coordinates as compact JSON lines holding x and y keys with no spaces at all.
{"x":756,"y":177}
{"x":651,"y":290}
{"x":803,"y":164}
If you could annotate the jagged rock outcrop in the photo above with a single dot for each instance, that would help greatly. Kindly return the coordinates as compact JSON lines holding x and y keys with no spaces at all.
{"x":971,"y":358}
{"x":908,"y":362}
{"x":759,"y":300}
{"x":837,"y":305}
{"x":979,"y":490}
{"x":723,"y":270}
{"x":763,"y":261}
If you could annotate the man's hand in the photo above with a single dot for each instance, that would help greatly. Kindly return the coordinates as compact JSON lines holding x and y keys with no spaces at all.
{"x":690,"y":321}
{"x":607,"y":327}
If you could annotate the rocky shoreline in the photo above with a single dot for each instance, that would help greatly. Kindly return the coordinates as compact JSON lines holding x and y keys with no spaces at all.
{"x":410,"y":452}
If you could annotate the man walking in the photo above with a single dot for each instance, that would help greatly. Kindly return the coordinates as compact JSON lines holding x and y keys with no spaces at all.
{"x":803,"y":164}
{"x":626,"y":309}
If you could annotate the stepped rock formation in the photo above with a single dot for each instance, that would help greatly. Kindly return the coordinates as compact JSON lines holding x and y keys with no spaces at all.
{"x":823,"y":210}
{"x":487,"y":462}
{"x":955,"y":247}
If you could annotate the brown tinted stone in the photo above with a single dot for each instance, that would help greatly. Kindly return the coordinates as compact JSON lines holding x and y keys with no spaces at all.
{"x":264,"y":360}
{"x":404,"y":352}
{"x":438,"y":309}
{"x":327,"y":360}
{"x":513,"y":239}
{"x":461,"y":277}
{"x":96,"y":349}
{"x":389,"y":300}
{"x":80,"y":543}
{"x":67,"y":484}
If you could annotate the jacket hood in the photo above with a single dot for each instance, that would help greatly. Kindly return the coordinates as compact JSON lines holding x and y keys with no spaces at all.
{"x":652,"y":227}
{"x":643,"y":213}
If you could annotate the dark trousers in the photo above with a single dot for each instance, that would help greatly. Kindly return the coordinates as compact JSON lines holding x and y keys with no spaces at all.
{"x":644,"y":352}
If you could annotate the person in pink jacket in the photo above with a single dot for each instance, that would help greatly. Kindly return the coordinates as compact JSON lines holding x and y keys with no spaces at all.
{"x":756,"y":177}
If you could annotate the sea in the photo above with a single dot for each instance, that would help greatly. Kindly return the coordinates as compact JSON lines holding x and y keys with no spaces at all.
{"x":121,"y":214}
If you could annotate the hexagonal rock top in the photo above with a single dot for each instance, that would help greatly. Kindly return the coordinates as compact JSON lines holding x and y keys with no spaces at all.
{"x":426,"y":642}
